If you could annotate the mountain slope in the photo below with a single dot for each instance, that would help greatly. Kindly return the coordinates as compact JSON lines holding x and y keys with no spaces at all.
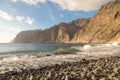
{"x":104,"y":27}
{"x":62,"y":33}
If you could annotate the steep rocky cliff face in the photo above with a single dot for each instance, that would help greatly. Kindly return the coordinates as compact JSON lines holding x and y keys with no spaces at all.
{"x":62,"y":33}
{"x":104,"y":27}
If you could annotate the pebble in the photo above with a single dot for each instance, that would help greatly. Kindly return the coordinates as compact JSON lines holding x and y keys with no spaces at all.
{"x":99,"y":69}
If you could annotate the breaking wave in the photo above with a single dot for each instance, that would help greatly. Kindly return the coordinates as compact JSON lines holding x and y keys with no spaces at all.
{"x":35,"y":60}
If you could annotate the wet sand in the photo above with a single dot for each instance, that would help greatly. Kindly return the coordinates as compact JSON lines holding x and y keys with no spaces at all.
{"x":106,"y":68}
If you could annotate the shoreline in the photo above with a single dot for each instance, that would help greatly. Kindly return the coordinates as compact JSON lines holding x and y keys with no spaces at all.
{"x":75,"y":68}
{"x":18,"y":64}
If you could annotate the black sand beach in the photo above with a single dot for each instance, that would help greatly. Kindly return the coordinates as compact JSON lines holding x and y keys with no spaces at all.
{"x":94,"y":69}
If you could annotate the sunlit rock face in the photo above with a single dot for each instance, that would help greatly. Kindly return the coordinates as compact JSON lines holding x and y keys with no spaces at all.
{"x":62,"y":33}
{"x":104,"y":27}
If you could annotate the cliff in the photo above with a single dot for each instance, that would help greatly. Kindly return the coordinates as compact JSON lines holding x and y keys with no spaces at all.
{"x":62,"y":33}
{"x":104,"y":27}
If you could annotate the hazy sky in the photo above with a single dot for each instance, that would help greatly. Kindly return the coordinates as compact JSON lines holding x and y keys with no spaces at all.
{"x":18,"y":15}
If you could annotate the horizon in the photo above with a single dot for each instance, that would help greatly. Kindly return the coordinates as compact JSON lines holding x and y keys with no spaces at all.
{"x":20,"y":15}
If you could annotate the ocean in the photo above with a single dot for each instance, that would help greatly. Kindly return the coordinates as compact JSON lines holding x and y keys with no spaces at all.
{"x":13,"y":50}
{"x":14,"y":57}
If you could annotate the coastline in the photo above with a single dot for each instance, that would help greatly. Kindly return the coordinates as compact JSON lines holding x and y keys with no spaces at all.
{"x":70,"y":67}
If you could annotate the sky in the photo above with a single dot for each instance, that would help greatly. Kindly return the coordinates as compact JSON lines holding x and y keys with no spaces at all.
{"x":20,"y":15}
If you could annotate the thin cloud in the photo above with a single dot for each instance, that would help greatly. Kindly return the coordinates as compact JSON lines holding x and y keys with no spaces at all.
{"x":20,"y":18}
{"x":31,"y":2}
{"x":34,"y":2}
{"x":71,"y":5}
{"x":61,"y":15}
{"x":14,"y":0}
{"x":52,"y":17}
{"x":29,"y":20}
{"x":77,"y":5}
{"x":5,"y":15}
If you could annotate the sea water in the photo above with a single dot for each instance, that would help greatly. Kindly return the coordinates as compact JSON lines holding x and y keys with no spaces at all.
{"x":17,"y":54}
{"x":12,"y":50}
{"x":22,"y":56}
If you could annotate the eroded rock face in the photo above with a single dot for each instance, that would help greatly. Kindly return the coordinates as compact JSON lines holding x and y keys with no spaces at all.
{"x":29,"y":36}
{"x":104,"y":27}
{"x":62,"y":33}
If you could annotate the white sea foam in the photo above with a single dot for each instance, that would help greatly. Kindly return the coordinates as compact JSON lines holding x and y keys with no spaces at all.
{"x":108,"y":45}
{"x":87,"y":47}
{"x":111,"y":44}
{"x":16,"y":59}
{"x":32,"y":61}
{"x":115,"y":44}
{"x":10,"y":59}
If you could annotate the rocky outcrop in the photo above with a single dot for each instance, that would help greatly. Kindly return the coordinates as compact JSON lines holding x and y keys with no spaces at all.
{"x":29,"y":36}
{"x":62,"y":33}
{"x":104,"y":27}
